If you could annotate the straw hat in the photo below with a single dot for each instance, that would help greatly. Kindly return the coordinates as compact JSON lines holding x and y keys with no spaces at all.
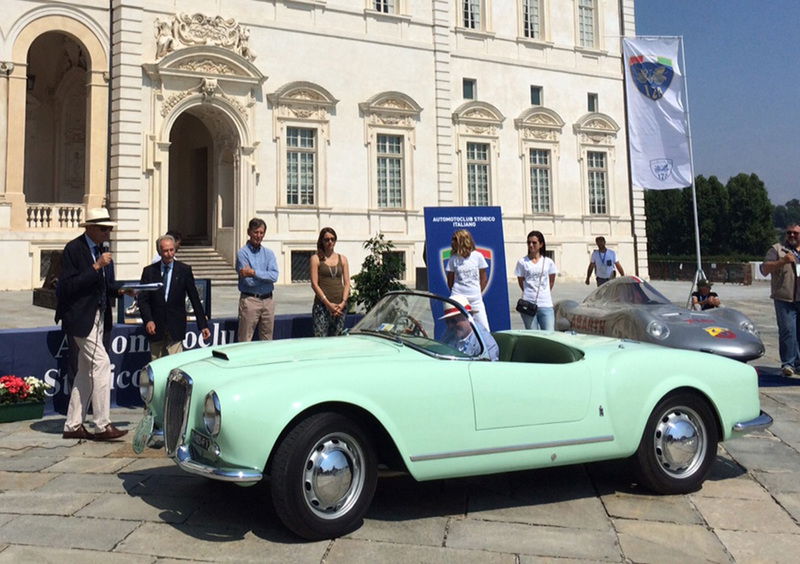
{"x":98,"y":216}
{"x":450,"y":310}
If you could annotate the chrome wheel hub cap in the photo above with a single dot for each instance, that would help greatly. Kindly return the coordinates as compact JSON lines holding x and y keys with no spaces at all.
{"x":333,"y":476}
{"x":680,"y":442}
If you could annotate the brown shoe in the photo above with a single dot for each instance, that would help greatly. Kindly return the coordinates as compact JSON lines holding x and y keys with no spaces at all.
{"x":108,"y":434}
{"x":79,"y":433}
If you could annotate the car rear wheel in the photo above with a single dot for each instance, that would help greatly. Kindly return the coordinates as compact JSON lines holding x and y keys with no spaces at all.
{"x":323,"y":477}
{"x":678,"y":445}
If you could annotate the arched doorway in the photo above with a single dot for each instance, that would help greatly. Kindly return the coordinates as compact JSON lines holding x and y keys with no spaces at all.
{"x":202,"y":174}
{"x":55,"y":120}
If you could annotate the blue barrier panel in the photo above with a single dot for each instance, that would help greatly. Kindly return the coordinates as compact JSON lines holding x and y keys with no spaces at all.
{"x":44,"y":353}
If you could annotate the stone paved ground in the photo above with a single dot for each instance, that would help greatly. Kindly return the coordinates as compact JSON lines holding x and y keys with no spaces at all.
{"x":71,"y":501}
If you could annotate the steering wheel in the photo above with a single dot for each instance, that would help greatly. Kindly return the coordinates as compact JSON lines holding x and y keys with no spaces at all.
{"x":408,"y":325}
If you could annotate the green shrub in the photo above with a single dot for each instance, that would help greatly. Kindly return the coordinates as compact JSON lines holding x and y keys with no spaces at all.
{"x":380,"y":273}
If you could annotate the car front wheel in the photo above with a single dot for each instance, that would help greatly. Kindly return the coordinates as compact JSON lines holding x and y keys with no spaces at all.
{"x":678,"y":445}
{"x":323,"y":477}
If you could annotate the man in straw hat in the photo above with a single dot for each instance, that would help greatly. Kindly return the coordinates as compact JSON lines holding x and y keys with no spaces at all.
{"x":86,"y":292}
{"x":460,"y":334}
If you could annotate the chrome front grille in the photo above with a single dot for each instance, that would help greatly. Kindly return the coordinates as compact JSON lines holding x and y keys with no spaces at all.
{"x":176,"y":409}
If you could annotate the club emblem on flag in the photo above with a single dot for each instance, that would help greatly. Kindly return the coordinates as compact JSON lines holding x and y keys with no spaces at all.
{"x":661,"y":168}
{"x":651,"y":78}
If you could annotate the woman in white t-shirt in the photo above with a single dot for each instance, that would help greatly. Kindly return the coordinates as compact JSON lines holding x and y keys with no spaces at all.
{"x":466,"y":274}
{"x":536,"y":275}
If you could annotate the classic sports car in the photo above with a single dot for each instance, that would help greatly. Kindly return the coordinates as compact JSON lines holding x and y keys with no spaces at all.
{"x":630,"y":308}
{"x":318,"y":416}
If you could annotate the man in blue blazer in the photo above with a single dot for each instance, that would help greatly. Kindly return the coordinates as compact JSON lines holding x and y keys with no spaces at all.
{"x":164,"y":310}
{"x":85,"y":297}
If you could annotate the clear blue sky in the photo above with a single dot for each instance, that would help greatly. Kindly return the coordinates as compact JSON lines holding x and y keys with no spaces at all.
{"x":744,"y":94}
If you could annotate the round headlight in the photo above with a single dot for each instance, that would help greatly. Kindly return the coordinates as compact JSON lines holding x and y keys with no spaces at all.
{"x":146,"y":381}
{"x":212,"y":418}
{"x":749,"y":327}
{"x":657,"y":330}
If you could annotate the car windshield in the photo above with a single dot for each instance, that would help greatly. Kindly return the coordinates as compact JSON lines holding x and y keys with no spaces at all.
{"x":415,"y":320}
{"x":628,"y":290}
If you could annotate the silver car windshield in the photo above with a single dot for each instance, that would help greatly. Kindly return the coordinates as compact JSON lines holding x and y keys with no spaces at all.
{"x":415,"y":320}
{"x":628,"y":290}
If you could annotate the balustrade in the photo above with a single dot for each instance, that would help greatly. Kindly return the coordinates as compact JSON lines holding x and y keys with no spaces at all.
{"x":54,"y":216}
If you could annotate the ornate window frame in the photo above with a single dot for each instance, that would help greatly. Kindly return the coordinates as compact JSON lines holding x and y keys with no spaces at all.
{"x":309,"y":106}
{"x":398,"y":12}
{"x":477,"y":122}
{"x":484,"y":24}
{"x":391,"y":113}
{"x":544,"y":22}
{"x":540,"y":128}
{"x":598,"y":43}
{"x":597,"y":132}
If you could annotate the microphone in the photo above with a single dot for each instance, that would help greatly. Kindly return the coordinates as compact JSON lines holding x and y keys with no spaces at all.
{"x":105,"y":246}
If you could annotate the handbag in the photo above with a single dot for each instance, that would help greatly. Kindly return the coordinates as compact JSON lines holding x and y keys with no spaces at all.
{"x":526,"y":307}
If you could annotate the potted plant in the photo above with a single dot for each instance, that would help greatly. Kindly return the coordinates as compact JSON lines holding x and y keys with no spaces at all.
{"x":21,"y":398}
{"x":380,"y":273}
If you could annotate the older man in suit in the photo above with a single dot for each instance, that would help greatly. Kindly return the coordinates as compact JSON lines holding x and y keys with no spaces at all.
{"x":86,"y":291}
{"x":164,"y":310}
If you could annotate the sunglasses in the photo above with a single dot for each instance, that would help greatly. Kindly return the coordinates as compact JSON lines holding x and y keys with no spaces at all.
{"x":104,"y":228}
{"x":793,"y":232}
{"x":329,"y":239}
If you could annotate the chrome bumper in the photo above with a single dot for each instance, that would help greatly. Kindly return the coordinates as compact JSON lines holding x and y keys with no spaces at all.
{"x":241,"y":476}
{"x":758,"y":424}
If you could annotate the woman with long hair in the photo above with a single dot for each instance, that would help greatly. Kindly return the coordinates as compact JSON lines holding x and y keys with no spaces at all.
{"x":466,"y":273}
{"x":536,"y":275}
{"x":330,"y":280}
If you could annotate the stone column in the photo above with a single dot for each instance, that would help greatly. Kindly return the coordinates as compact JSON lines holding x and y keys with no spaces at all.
{"x":444,"y":104}
{"x":128,"y":191}
{"x":15,"y":140}
{"x":5,"y":208}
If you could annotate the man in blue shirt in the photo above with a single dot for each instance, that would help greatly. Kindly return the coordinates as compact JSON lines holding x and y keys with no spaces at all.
{"x":258,"y":272}
{"x":461,"y":336}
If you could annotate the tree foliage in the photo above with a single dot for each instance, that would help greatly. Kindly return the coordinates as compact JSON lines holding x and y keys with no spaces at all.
{"x":380,"y":272}
{"x":786,"y":214}
{"x":734,"y":219}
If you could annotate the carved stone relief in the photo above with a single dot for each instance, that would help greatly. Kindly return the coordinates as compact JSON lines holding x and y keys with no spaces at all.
{"x":185,"y":30}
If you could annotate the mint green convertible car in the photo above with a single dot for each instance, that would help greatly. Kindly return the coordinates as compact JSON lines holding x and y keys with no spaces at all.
{"x":318,"y":417}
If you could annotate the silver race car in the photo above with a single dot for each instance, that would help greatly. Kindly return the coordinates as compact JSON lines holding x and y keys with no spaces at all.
{"x":631,"y":308}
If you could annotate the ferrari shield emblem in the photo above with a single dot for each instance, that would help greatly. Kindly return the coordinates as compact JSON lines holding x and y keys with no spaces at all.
{"x":720,"y":332}
{"x":444,"y":255}
{"x":661,"y":168}
{"x":652,"y":78}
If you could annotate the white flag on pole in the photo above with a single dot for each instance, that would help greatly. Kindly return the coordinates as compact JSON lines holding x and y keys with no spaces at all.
{"x":657,"y":115}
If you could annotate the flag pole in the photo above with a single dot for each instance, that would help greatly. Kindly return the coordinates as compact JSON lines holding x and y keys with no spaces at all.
{"x":698,"y":273}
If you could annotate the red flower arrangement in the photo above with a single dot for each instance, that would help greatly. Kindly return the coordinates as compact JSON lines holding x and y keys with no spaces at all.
{"x":14,"y":389}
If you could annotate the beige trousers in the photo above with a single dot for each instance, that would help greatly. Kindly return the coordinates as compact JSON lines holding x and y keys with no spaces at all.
{"x":164,"y":348}
{"x":92,"y":382}
{"x":252,"y":312}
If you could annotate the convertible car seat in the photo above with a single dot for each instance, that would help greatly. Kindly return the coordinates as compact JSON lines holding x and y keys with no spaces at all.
{"x":529,"y":348}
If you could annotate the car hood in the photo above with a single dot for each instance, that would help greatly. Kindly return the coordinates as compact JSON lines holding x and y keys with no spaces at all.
{"x":298,"y":350}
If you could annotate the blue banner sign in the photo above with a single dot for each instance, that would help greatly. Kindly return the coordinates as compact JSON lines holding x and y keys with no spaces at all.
{"x":485,"y":224}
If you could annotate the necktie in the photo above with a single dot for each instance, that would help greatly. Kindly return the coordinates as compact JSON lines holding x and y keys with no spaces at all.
{"x":165,"y":278}
{"x":103,"y":300}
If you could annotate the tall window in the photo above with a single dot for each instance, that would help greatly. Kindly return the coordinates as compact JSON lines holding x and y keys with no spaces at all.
{"x":472,"y":14}
{"x":532,"y":19}
{"x":390,"y":170}
{"x":587,"y":23}
{"x":385,"y":6}
{"x":301,"y":153}
{"x":598,"y":182}
{"x":478,"y":174}
{"x":591,"y":102}
{"x":540,"y":180}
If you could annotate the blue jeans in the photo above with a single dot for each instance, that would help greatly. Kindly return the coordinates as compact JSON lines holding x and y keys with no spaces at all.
{"x":545,"y":319}
{"x":788,"y":316}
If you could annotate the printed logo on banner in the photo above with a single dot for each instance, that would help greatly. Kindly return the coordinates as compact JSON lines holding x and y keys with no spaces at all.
{"x":661,"y":168}
{"x":487,"y":253}
{"x":652,"y":78}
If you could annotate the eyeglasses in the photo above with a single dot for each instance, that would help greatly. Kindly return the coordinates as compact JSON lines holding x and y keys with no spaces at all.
{"x":329,"y":239}
{"x":793,"y":232}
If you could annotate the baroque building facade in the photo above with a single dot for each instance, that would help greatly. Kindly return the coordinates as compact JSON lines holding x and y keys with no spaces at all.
{"x":354,"y":114}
